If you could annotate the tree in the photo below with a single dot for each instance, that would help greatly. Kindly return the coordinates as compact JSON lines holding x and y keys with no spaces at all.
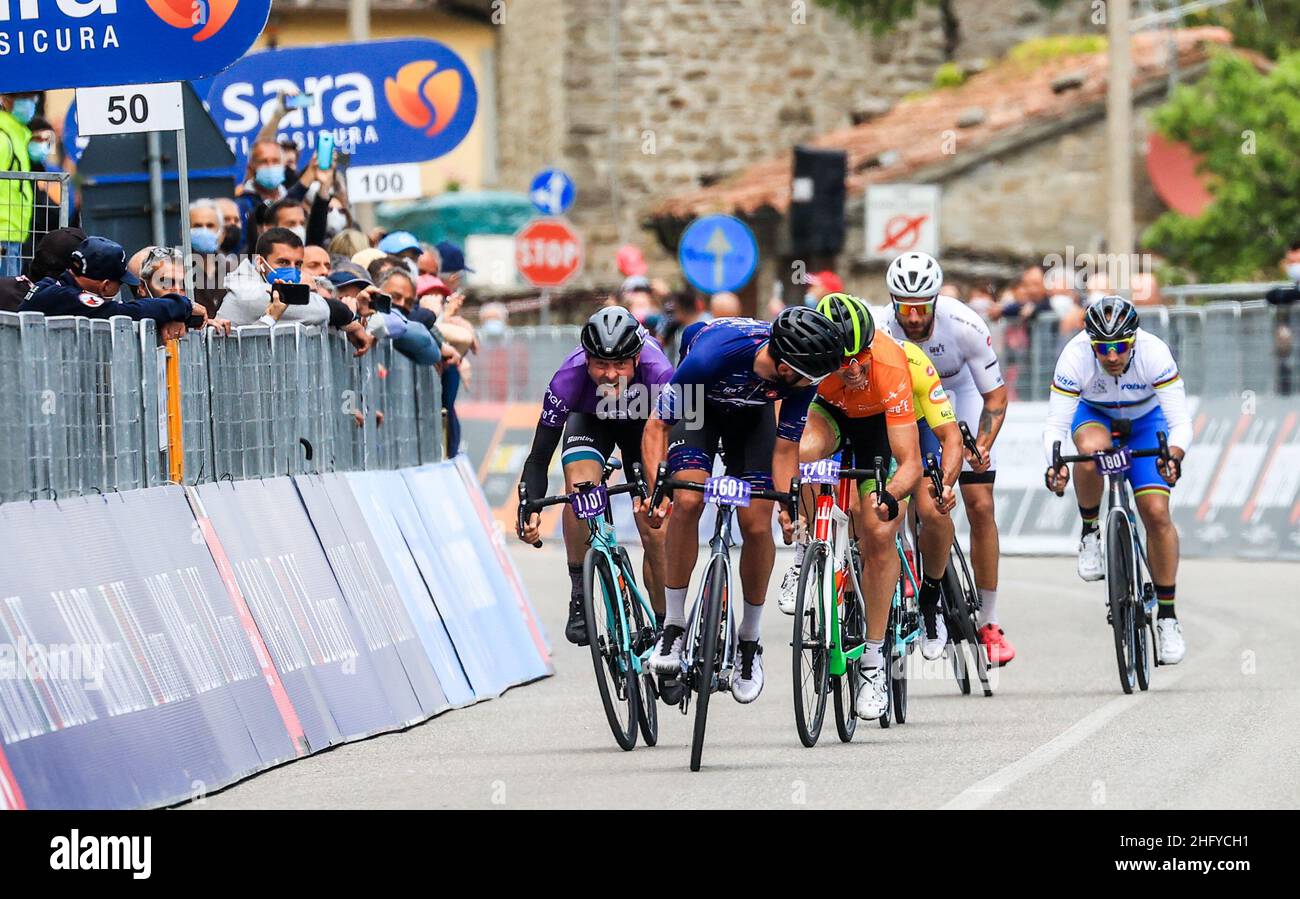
{"x":1246,"y":127}
{"x":1270,"y":26}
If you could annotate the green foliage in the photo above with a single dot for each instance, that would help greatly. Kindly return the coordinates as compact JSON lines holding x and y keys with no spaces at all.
{"x":949,"y":75}
{"x":1039,"y":50}
{"x":1271,"y":27}
{"x":1246,"y":127}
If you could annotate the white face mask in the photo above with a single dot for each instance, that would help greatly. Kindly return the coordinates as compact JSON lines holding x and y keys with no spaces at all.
{"x":1293,"y":271}
{"x":336,"y":221}
{"x":300,"y":231}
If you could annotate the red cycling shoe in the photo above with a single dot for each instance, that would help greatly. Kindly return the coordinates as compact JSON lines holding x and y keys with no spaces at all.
{"x":997,"y":645}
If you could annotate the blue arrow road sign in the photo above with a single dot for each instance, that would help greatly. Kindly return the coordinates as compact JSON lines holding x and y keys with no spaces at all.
{"x":717,"y":253}
{"x":552,"y":192}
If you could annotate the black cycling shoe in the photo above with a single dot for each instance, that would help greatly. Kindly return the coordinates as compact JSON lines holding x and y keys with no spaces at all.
{"x":575,"y":631}
{"x":671,"y":691}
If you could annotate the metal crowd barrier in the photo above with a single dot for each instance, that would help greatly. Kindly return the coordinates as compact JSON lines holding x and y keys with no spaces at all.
{"x":84,"y":407}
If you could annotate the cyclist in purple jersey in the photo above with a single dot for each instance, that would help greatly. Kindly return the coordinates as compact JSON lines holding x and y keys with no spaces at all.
{"x":599,"y":399}
{"x":721,"y":398}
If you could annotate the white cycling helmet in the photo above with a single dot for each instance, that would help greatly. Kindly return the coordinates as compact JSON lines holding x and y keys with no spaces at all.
{"x":914,"y":275}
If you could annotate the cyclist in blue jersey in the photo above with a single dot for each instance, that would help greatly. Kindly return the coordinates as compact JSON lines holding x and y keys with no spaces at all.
{"x":722,"y":397}
{"x":594,"y":402}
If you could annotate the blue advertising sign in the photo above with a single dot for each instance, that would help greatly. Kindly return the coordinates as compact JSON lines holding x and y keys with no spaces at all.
{"x":385,"y":102}
{"x":718,"y":253}
{"x":552,"y":192}
{"x":48,"y":44}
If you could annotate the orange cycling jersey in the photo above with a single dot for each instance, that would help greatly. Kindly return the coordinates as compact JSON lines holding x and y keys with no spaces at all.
{"x":888,"y":389}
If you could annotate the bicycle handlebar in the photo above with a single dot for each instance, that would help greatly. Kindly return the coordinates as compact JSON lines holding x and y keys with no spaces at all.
{"x":664,"y":486}
{"x":1161,"y":452}
{"x":969,"y":442}
{"x":527,"y":507}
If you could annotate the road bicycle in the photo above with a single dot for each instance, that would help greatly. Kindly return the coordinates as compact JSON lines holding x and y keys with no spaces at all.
{"x":621,"y":631}
{"x":903,"y":629}
{"x":711,"y":643}
{"x":1131,"y":595}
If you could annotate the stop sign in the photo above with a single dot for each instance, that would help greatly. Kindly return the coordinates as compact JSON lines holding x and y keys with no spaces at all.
{"x":548,"y":252}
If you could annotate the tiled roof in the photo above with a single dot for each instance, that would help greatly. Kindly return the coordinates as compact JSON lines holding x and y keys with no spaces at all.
{"x":1010,"y":96}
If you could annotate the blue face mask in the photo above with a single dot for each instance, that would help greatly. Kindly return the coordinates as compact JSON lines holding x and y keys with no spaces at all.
{"x":204,"y":240}
{"x":291,"y":275}
{"x":25,"y":109}
{"x":38,"y":151}
{"x":269,"y":177}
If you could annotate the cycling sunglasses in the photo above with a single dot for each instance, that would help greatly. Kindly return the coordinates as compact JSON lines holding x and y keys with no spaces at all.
{"x":803,"y":374}
{"x":1119,"y":347}
{"x":913,"y":301}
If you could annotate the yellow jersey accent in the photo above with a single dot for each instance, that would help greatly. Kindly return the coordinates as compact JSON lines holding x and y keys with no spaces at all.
{"x":928,"y":396}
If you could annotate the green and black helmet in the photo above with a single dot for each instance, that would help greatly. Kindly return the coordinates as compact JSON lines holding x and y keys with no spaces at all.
{"x":854,"y":319}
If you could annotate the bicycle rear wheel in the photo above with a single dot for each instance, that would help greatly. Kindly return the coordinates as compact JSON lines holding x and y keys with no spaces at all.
{"x":708,"y":654}
{"x":613,"y":663}
{"x":811,"y":661}
{"x":1119,"y":587}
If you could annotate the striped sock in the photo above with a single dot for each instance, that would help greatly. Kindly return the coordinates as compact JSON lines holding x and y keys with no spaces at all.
{"x":1089,"y":518}
{"x":1165,"y":596}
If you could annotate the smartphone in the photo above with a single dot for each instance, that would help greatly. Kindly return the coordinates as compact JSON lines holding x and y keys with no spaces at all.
{"x":293,"y":294}
{"x":194,"y":322}
{"x":300,"y":101}
{"x":325,"y":152}
{"x":381,"y":302}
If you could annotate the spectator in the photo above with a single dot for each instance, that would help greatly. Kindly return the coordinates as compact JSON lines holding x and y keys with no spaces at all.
{"x":493,"y":319}
{"x":367,"y":256}
{"x":206,"y":228}
{"x":338,"y":218}
{"x":52,"y":258}
{"x":349,"y":280}
{"x":91,"y":283}
{"x":819,"y":285}
{"x":724,"y":305}
{"x":16,"y":112}
{"x":951,"y":290}
{"x":404,"y":246}
{"x":1286,"y":298}
{"x":379,"y":268}
{"x":263,"y":187}
{"x":162,"y":272}
{"x":348,"y":243}
{"x":47,"y":196}
{"x":410,"y":338}
{"x":636,"y":295}
{"x":693,"y":318}
{"x":452,"y":268}
{"x":248,"y":296}
{"x":429,"y":263}
{"x":981,"y":300}
{"x":1290,"y":264}
{"x":232,"y":234}
{"x":288,"y":214}
{"x":315,"y":262}
{"x":290,"y":152}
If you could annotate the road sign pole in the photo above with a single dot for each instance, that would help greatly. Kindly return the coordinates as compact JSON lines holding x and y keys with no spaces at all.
{"x":183,"y":174}
{"x":153,"y":142}
{"x":545,"y":317}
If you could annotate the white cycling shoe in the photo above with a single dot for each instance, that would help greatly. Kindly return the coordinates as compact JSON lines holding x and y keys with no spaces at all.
{"x":1092,"y":567}
{"x":932,"y":647}
{"x":747,"y":682}
{"x":1169,"y":634}
{"x":789,"y":596}
{"x":667,"y":656}
{"x":873,"y":694}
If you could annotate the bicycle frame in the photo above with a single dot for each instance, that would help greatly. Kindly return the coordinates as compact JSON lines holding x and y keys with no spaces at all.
{"x":719,"y":547}
{"x":831,"y":512}
{"x":603,"y":539}
{"x":1119,"y":503}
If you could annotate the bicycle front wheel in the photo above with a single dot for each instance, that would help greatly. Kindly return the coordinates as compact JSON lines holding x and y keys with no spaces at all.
{"x":611,"y":654}
{"x":708,"y":651}
{"x":811,"y":662}
{"x":1119,"y":587}
{"x":643,"y":638}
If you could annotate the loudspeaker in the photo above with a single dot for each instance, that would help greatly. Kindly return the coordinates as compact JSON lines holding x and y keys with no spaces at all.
{"x":817,"y":202}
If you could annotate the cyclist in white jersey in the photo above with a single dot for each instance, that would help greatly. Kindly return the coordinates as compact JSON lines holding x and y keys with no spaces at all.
{"x":961,"y":348}
{"x":1115,"y":376}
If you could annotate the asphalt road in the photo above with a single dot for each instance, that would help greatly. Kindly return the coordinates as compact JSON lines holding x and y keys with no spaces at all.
{"x":1217,"y":731}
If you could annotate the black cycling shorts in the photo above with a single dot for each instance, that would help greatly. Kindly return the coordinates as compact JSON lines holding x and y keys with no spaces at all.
{"x":858,"y":440}
{"x":588,"y":436}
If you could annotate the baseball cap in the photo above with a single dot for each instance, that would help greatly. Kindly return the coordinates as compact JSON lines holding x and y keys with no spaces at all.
{"x":635,"y":283}
{"x":431,"y":284}
{"x":102,"y":259}
{"x":347,"y":273}
{"x":453,"y":258}
{"x":54,"y":252}
{"x":399,"y":242}
{"x":827,"y":280}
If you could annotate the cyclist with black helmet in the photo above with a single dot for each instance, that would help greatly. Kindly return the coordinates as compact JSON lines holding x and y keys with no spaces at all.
{"x":722,"y":397}
{"x":594,"y":401}
{"x":1115,"y":372}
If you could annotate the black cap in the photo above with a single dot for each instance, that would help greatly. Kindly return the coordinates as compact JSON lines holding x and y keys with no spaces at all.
{"x":54,"y":252}
{"x":99,"y":258}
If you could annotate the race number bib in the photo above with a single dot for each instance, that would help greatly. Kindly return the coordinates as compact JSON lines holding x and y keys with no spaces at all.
{"x":1115,"y":461}
{"x":590,"y":503}
{"x":823,"y":471}
{"x":727,"y":491}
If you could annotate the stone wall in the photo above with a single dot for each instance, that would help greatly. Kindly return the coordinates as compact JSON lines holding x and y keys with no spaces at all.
{"x":698,"y":89}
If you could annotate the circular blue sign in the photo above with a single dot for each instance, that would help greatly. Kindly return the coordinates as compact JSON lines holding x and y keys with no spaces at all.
{"x":552,"y":192}
{"x":718,"y":253}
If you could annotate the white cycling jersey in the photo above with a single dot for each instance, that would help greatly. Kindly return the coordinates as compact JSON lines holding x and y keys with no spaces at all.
{"x":1150,"y":380}
{"x":959,"y":345}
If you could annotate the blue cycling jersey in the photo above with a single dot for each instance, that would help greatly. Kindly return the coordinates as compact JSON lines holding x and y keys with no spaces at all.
{"x":721,"y":362}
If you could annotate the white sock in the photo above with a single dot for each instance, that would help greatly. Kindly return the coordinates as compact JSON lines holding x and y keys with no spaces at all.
{"x":874,"y":655}
{"x":675,"y":604}
{"x":988,"y":607}
{"x":799,"y":550}
{"x":749,"y":622}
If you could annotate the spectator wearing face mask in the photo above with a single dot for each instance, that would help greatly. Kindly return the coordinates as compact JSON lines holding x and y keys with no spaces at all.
{"x":16,"y":113}
{"x":264,"y":185}
{"x":47,"y":197}
{"x":404,"y":246}
{"x":206,"y":228}
{"x":52,"y":257}
{"x":91,"y":283}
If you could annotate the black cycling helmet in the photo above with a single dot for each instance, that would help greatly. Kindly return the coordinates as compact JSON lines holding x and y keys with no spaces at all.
{"x":612,"y":333}
{"x":808,"y":342}
{"x":853,"y":317}
{"x":1111,"y":318}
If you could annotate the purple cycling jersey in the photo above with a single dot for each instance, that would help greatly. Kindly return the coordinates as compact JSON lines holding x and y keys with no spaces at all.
{"x":573,"y":390}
